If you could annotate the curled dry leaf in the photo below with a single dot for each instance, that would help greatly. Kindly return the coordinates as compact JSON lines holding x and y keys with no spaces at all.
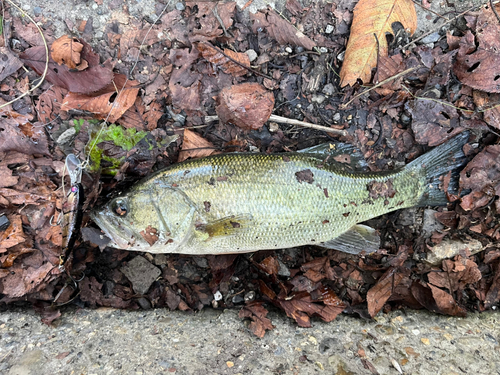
{"x":248,"y":105}
{"x":367,"y":42}
{"x":67,"y":50}
{"x":281,"y":30}
{"x":113,"y":100}
{"x":478,"y":67}
{"x":195,"y":146}
{"x":482,"y":176}
{"x":204,"y":25}
{"x":227,"y":60}
{"x":257,"y":313}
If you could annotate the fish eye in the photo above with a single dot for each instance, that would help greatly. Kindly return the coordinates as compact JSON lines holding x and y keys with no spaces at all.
{"x":119,"y":207}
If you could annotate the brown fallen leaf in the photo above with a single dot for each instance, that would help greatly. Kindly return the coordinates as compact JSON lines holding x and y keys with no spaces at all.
{"x":445,"y":303}
{"x":140,"y":117}
{"x":482,"y":176}
{"x":110,"y":102}
{"x":247,"y":105}
{"x":204,"y":25}
{"x":92,"y":79}
{"x":475,"y":66}
{"x":49,"y":104}
{"x":279,"y":29}
{"x":195,"y":146}
{"x":9,"y":63}
{"x":367,"y":42}
{"x":257,"y":313}
{"x":378,"y":295}
{"x":27,"y":138}
{"x":227,"y":60}
{"x":67,"y":50}
{"x":488,"y":104}
{"x":270,"y":265}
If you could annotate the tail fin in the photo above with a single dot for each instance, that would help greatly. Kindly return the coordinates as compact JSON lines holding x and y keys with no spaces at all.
{"x":448,"y":157}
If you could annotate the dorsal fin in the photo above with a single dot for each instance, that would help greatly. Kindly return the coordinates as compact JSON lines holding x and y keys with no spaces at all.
{"x":341,"y":153}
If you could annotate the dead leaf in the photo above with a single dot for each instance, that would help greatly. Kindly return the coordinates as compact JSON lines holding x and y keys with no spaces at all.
{"x":28,"y":138}
{"x":110,"y":102}
{"x":227,"y":60}
{"x":9,"y":63}
{"x":140,"y":117}
{"x":247,"y":105}
{"x":270,"y":265}
{"x":478,"y":67}
{"x":482,"y":176}
{"x":92,"y":79}
{"x":204,"y":25}
{"x":280,"y":29}
{"x":445,"y":303}
{"x":367,"y":42}
{"x":378,"y":295}
{"x":49,"y":104}
{"x":195,"y":146}
{"x":67,"y":50}
{"x":488,"y":103}
{"x":257,"y":313}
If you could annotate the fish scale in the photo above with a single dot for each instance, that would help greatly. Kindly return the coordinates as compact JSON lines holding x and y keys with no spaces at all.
{"x":247,"y":202}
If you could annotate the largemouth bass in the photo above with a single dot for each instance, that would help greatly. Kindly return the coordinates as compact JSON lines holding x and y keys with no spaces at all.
{"x":236,"y":203}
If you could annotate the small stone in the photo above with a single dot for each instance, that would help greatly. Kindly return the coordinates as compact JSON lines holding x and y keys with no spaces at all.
{"x":160,"y":259}
{"x":238,"y":299}
{"x":329,"y":89}
{"x":94,"y":6}
{"x":37,"y":11}
{"x":416,"y":332}
{"x":323,"y":50}
{"x":273,"y":127}
{"x":316,"y":98}
{"x":252,"y":55}
{"x":141,"y":274}
{"x":250,"y":296}
{"x":433,"y":38}
{"x":144,"y":303}
{"x":320,"y":365}
{"x":201,"y":262}
{"x":283,"y":270}
{"x":217,"y":296}
{"x":336,"y":117}
{"x":329,"y":29}
{"x":313,"y":340}
{"x":340,"y":56}
{"x":180,"y":6}
{"x":229,"y":364}
{"x":448,"y":337}
{"x":425,"y":341}
{"x":288,"y":49}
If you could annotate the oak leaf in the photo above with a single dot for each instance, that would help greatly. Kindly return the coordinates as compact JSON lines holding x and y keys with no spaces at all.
{"x":372,"y":20}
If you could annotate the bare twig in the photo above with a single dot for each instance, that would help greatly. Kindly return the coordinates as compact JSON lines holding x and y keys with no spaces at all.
{"x":46,"y":57}
{"x":289,"y":121}
{"x":404,"y":72}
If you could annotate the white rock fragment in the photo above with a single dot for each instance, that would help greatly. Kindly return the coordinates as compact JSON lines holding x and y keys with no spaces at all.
{"x":329,"y":29}
{"x":450,"y":248}
{"x":252,"y":55}
{"x":288,"y":49}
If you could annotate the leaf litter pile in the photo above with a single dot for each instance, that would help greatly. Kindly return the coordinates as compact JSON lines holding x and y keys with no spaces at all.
{"x":209,"y":79}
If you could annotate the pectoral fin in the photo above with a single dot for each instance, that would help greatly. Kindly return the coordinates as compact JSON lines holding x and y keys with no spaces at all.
{"x":228,"y":226}
{"x":355,"y":240}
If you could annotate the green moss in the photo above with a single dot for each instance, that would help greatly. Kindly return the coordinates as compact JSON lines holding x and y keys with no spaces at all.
{"x":121,"y":137}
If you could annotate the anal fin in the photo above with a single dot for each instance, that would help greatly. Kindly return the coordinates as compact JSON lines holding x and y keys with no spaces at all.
{"x":357,"y":239}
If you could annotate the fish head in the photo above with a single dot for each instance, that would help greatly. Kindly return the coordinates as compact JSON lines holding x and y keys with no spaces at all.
{"x":154,"y":220}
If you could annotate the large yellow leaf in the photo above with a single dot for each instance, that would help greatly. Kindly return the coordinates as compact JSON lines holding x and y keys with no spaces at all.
{"x":372,"y":20}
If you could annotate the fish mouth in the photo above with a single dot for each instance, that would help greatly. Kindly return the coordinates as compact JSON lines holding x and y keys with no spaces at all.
{"x":107,"y":226}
